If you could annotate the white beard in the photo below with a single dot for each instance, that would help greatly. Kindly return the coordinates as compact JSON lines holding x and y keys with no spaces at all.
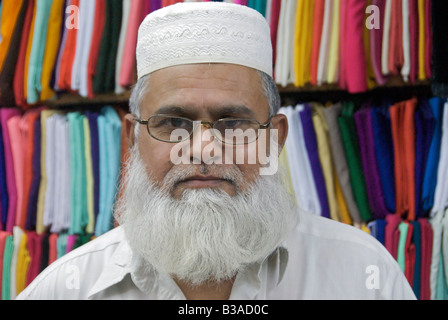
{"x":207,"y":235}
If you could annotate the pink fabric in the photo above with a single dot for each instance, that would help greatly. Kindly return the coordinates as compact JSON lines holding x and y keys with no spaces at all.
{"x":17,"y":143}
{"x":6,"y":114}
{"x":128,"y":62}
{"x":355,"y":57}
{"x":376,"y":36}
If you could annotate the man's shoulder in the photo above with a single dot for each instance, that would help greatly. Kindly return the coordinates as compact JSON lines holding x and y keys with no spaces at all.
{"x":331,"y":231}
{"x":84,"y":263}
{"x":330,"y":259}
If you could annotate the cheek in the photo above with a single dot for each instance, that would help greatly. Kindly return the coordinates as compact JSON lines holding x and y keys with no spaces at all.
{"x":156,"y":156}
{"x":247,"y":159}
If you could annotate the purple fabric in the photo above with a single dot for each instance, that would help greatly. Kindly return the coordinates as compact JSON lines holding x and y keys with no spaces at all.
{"x":35,"y":181}
{"x":363,"y":121}
{"x":313,"y":154}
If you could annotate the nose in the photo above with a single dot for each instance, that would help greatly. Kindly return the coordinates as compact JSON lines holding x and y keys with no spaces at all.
{"x":205,"y":148}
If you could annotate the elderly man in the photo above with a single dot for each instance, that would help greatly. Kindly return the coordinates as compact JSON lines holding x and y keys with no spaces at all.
{"x":203,"y":221}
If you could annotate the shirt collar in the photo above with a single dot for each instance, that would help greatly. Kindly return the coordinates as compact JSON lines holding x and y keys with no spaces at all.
{"x":256,"y":280}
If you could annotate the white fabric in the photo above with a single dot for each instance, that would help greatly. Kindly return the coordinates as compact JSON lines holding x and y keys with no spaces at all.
{"x":321,"y":259}
{"x":441,"y":190}
{"x":322,"y":64}
{"x":299,"y":163}
{"x":406,"y":69}
{"x":83,"y":43}
{"x":61,"y":197}
{"x":203,"y":32}
{"x":386,"y":35}
{"x":284,"y":61}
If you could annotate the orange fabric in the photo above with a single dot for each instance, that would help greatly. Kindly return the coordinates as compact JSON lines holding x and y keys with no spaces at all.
{"x":10,"y":13}
{"x":51,"y":48}
{"x":403,"y":136}
{"x":409,"y":156}
{"x":395,"y":60}
{"x":318,"y":18}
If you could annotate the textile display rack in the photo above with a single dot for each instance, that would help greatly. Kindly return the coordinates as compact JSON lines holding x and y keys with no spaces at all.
{"x":363,"y":84}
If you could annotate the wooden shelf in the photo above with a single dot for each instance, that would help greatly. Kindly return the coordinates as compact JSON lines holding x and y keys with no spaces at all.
{"x":290,"y":94}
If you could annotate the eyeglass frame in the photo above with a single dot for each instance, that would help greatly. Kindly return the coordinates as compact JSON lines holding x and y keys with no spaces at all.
{"x":207,"y":123}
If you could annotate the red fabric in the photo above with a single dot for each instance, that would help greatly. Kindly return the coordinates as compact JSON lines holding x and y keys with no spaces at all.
{"x":96,"y":41}
{"x":413,"y":39}
{"x":275,"y":15}
{"x":409,"y":255}
{"x":426,"y":255}
{"x":68,"y":57}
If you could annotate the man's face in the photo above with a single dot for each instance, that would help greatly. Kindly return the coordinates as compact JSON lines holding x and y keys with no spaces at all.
{"x":206,"y":92}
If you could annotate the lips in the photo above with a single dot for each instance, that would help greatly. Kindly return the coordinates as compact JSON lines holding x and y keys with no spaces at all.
{"x":200,"y":181}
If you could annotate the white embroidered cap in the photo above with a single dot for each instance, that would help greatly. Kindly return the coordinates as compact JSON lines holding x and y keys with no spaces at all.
{"x":204,"y":32}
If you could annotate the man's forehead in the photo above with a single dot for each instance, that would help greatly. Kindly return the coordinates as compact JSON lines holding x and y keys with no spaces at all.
{"x":211,"y":88}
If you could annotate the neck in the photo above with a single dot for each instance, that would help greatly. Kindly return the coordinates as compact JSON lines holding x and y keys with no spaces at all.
{"x":208,"y":291}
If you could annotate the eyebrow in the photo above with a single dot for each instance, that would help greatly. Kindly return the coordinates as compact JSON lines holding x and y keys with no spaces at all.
{"x":240,"y":110}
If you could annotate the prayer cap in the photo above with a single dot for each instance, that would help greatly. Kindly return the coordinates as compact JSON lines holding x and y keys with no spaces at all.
{"x":203,"y":32}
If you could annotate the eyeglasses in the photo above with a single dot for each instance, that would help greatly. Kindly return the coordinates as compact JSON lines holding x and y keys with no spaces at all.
{"x":228,"y":130}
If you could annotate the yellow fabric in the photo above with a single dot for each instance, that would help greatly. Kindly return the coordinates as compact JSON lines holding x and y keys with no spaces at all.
{"x":421,"y":40}
{"x":323,"y":145}
{"x":284,"y":167}
{"x":345,"y":214}
{"x":333,"y":56}
{"x":370,"y":73}
{"x":23,"y":263}
{"x":51,"y":48}
{"x":90,"y":228}
{"x":28,"y":53}
{"x":10,"y":12}
{"x":303,"y":42}
{"x":40,"y":228}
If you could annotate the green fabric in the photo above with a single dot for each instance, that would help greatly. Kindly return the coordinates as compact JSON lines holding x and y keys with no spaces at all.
{"x":6,"y":276}
{"x":401,"y":254}
{"x":351,"y":147}
{"x":104,"y":79}
{"x":78,"y":181}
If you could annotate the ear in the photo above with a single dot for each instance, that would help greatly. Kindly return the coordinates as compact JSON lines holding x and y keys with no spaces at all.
{"x":280,"y":122}
{"x":129,"y":124}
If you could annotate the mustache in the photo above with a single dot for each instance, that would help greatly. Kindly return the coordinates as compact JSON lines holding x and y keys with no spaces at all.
{"x":181,"y":173}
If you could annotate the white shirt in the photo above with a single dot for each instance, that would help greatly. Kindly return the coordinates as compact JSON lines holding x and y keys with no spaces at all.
{"x":321,"y":259}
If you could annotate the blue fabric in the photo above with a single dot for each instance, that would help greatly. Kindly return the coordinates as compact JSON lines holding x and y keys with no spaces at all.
{"x":432,"y":163}
{"x":93,"y":118}
{"x":109,"y":130}
{"x":384,"y":152}
{"x":416,"y":240}
{"x":35,"y":182}
{"x":424,"y":130}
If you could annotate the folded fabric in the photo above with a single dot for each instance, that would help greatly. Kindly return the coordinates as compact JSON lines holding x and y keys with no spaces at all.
{"x":432,"y":163}
{"x":440,"y":48}
{"x":310,"y":138}
{"x":351,"y":147}
{"x":340,"y":162}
